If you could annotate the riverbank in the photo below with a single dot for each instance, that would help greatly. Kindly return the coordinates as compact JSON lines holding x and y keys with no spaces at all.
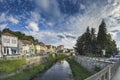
{"x":9,"y":66}
{"x":30,"y":73}
{"x":79,"y":72}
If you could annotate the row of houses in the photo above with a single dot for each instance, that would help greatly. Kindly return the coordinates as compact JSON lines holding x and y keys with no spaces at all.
{"x":11,"y":45}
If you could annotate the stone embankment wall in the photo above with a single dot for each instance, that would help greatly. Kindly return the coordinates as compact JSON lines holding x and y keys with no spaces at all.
{"x":34,"y":61}
{"x":106,"y":73}
{"x":91,"y":63}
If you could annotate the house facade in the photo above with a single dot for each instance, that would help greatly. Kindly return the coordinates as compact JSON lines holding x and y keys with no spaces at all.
{"x":51,"y":48}
{"x":61,"y":48}
{"x":9,"y":44}
{"x":38,"y":48}
{"x":26,"y":47}
{"x":43,"y":47}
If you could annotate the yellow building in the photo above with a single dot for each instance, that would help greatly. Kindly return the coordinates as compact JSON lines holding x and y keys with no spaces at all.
{"x":40,"y":48}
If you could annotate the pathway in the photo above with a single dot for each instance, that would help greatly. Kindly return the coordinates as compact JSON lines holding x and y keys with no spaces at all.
{"x":117,"y":75}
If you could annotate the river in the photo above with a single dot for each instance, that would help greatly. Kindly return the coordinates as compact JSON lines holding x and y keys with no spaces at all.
{"x":60,"y":71}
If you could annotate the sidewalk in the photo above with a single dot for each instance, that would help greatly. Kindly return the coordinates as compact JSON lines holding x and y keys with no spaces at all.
{"x":117,"y":75}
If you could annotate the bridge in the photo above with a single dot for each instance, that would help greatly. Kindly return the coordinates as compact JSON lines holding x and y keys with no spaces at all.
{"x":110,"y":71}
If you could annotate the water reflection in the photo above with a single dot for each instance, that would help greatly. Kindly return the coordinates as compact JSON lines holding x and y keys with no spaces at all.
{"x":60,"y":71}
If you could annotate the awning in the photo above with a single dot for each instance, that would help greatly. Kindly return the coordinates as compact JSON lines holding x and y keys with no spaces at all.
{"x":15,"y":48}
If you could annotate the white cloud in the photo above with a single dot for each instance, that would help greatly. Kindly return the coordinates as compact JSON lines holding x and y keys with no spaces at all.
{"x":3,"y":26}
{"x":49,"y":7}
{"x":50,"y":37}
{"x":33,"y":26}
{"x":13,"y":20}
{"x":35,"y":16}
{"x":82,"y":6}
{"x":3,"y":17}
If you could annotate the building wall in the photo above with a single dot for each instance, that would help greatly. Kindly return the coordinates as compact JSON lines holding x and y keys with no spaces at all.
{"x":32,"y":49}
{"x":0,"y":51}
{"x":20,"y":46}
{"x":26,"y":49}
{"x":43,"y":48}
{"x":8,"y":41}
{"x":60,"y":48}
{"x":37,"y":49}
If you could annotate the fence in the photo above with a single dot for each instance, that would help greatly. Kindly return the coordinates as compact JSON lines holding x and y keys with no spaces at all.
{"x":105,"y":74}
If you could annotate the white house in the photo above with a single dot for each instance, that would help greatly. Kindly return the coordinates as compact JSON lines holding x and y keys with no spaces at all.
{"x":27,"y":48}
{"x":9,"y":44}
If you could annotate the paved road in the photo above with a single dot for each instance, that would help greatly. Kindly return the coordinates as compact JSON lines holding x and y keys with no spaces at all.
{"x":117,"y":75}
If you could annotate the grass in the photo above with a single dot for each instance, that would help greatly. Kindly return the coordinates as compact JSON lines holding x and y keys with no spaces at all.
{"x":8,"y":66}
{"x":79,"y":72}
{"x":30,"y":73}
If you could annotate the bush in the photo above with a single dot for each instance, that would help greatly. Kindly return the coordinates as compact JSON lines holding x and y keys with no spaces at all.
{"x":97,"y":69}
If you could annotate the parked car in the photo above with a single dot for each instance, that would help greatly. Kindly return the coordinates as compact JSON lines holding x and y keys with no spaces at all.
{"x":115,"y":58}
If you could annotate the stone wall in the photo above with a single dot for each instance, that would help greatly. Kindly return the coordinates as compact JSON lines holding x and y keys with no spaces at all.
{"x":105,"y":74}
{"x":91,"y":63}
{"x":108,"y":70}
{"x":34,"y":61}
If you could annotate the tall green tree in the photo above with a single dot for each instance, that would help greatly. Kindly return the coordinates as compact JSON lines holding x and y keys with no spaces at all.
{"x":83,"y":45}
{"x":102,"y":35}
{"x":93,"y":41}
{"x":104,"y":41}
{"x":87,"y":40}
{"x":91,"y":44}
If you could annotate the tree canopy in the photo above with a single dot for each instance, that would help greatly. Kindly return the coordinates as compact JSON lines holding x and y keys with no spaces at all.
{"x":91,"y":44}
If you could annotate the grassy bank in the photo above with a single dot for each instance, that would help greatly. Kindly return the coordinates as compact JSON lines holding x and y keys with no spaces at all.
{"x":8,"y":66}
{"x":79,"y":72}
{"x":30,"y":73}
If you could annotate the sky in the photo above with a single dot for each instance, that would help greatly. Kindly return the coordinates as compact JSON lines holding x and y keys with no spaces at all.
{"x":60,"y":22}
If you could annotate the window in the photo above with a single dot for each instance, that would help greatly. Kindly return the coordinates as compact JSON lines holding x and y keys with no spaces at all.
{"x":13,"y":41}
{"x":6,"y":40}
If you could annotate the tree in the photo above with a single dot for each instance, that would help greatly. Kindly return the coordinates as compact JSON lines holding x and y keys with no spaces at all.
{"x":83,"y":45}
{"x":93,"y":42}
{"x":88,"y":41}
{"x":90,"y":44}
{"x":80,"y":45}
{"x":104,"y":41}
{"x":102,"y":33}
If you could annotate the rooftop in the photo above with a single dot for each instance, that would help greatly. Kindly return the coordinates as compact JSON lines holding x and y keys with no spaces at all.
{"x":26,"y":42}
{"x":8,"y":34}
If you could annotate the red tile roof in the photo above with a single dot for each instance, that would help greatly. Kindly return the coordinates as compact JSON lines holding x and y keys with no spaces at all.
{"x":26,"y":42}
{"x":8,"y":34}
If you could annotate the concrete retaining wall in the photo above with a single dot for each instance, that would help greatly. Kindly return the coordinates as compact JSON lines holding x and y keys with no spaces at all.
{"x":90,"y":63}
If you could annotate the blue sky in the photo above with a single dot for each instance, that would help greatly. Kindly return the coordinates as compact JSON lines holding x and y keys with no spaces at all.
{"x":59,"y":21}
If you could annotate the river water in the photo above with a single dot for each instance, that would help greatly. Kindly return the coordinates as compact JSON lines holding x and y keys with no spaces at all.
{"x":60,"y":71}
